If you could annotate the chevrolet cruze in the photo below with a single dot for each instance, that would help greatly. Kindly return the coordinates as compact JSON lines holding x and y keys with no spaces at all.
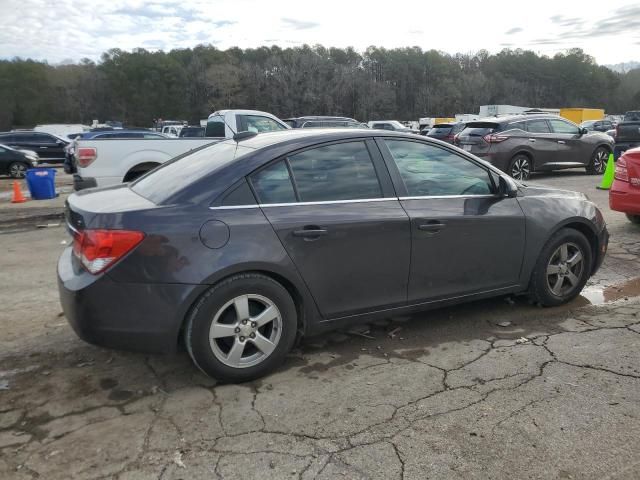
{"x":240,"y":248}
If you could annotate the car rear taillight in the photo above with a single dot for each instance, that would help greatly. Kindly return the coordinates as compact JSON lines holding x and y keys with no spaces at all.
{"x":621,"y":170}
{"x":456,"y":139}
{"x":450,"y":138}
{"x":99,"y":249}
{"x":494,"y":138}
{"x":86,"y":156}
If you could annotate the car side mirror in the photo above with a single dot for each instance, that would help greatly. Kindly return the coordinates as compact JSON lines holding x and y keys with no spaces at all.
{"x":583,"y":131}
{"x":507,"y":187}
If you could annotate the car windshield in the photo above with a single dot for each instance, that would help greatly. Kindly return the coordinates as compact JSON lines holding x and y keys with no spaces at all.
{"x":172,"y":176}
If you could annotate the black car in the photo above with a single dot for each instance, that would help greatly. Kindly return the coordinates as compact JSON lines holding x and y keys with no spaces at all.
{"x":444,"y":131}
{"x":15,"y":163}
{"x":598,"y":125}
{"x":521,"y":144}
{"x":191,"y":132}
{"x":322,"y":122}
{"x":50,"y":148}
{"x":240,"y":248}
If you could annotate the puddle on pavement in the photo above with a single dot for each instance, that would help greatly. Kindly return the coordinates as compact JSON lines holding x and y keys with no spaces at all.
{"x":597,"y":294}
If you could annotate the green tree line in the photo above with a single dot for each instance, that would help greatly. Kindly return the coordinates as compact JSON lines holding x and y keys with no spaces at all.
{"x":404,"y":83}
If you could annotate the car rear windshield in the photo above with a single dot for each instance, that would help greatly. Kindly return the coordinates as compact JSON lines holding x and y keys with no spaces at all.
{"x":171,"y":177}
{"x":479,"y":129}
{"x":441,"y":130}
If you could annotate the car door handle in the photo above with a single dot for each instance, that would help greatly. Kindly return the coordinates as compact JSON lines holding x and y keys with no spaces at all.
{"x":532,"y":140}
{"x":310,"y":232}
{"x":432,"y":227}
{"x":561,"y":142}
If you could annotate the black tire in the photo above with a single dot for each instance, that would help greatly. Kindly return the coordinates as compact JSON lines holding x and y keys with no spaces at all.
{"x":18,"y":169}
{"x":540,"y":288}
{"x":520,"y":167}
{"x":634,"y":218}
{"x":208,"y":354}
{"x":598,"y":162}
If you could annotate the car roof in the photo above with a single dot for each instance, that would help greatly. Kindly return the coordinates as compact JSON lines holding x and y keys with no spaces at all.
{"x":315,"y":134}
{"x":320,"y":117}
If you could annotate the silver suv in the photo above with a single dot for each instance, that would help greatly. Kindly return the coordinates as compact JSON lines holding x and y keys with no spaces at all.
{"x":521,"y":144}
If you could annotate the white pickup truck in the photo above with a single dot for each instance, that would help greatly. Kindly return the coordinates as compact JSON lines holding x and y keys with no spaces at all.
{"x":103,"y":162}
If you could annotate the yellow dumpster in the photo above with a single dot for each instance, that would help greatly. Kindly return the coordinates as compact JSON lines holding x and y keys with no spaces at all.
{"x":579,"y":115}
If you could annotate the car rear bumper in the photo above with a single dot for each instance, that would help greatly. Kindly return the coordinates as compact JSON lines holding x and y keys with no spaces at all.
{"x":127,"y":316}
{"x":625,"y":198}
{"x":80,"y":183}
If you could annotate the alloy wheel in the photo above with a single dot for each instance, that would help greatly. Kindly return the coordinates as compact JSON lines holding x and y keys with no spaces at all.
{"x":565,"y":269}
{"x":17,"y":170}
{"x":245,"y":331}
{"x":520,"y":169}
{"x":600,"y":161}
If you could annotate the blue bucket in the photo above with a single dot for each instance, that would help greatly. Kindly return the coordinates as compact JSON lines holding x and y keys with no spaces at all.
{"x":42,"y":183}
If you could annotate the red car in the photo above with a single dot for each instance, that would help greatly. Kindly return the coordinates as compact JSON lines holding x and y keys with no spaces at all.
{"x":624,"y":195}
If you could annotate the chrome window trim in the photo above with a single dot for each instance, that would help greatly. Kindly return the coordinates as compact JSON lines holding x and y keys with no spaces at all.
{"x":428,"y":197}
{"x":233,"y":207}
{"x":331,"y":202}
{"x":339,"y":202}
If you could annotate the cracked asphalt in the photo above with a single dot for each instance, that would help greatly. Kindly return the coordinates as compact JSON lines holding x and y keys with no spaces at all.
{"x":488,"y":390}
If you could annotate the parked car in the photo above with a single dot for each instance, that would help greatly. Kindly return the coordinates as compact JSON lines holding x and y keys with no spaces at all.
{"x":15,"y":163}
{"x":624,"y":195}
{"x":241,"y":247}
{"x":628,"y":132}
{"x":50,"y":148}
{"x":519,"y":144}
{"x":322,"y":122}
{"x":444,"y":131}
{"x":192,"y":132}
{"x":172,"y":130}
{"x":392,"y":125}
{"x":101,"y":163}
{"x":121,"y":133}
{"x":598,"y":125}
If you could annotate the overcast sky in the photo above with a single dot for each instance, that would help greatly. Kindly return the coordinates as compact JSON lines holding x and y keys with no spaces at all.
{"x":61,"y":30}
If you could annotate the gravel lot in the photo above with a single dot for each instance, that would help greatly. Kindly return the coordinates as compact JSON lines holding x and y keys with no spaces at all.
{"x":493,"y":389}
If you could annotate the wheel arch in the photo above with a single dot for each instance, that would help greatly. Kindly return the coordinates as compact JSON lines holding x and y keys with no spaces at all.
{"x":587,"y":229}
{"x":138,"y":169}
{"x":301,"y":300}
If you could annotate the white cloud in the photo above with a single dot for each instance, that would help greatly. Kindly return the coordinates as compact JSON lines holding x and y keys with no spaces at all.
{"x":56,"y":31}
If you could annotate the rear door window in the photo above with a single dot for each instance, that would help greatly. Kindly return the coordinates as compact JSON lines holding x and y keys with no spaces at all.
{"x":272,"y":184}
{"x":215,"y":127}
{"x":342,"y":171}
{"x":538,"y":126}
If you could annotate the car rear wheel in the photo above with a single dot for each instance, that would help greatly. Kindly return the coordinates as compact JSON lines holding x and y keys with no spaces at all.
{"x":598,"y":161}
{"x":562,"y":269}
{"x":242,"y":328}
{"x":520,"y":167}
{"x":633,"y":218}
{"x":18,"y":169}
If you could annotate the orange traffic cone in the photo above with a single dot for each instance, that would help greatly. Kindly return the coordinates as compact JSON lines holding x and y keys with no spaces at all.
{"x":18,"y":197}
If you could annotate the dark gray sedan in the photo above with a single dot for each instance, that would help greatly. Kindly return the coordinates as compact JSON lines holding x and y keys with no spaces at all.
{"x":240,"y":248}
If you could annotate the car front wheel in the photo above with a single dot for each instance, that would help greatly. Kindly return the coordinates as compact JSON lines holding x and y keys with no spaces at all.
{"x":520,"y":167}
{"x":242,"y":328}
{"x":562,"y":269}
{"x":18,"y":169}
{"x":598,"y":162}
